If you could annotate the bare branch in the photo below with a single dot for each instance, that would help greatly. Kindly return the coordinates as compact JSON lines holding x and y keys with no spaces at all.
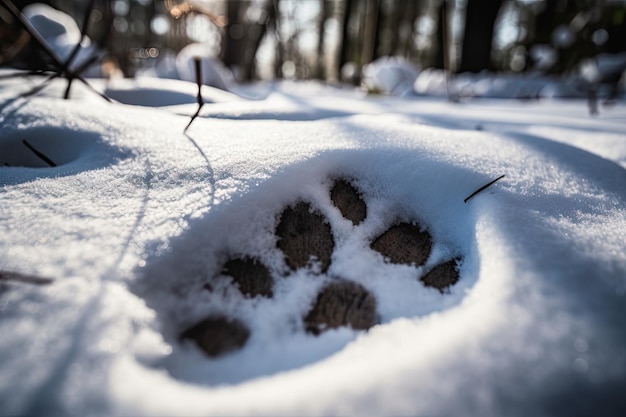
{"x":198,"y":66}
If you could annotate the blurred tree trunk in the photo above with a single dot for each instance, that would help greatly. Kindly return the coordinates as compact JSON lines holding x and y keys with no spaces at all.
{"x":279,"y":58}
{"x":255,"y":33}
{"x":480,"y":19}
{"x":370,"y":31}
{"x":151,"y":12}
{"x":411,"y":11}
{"x":320,"y":71}
{"x":616,"y":30}
{"x":545,"y":22}
{"x":439,"y":39}
{"x":242,"y":37}
{"x":380,"y":20}
{"x":395,"y":18}
{"x":344,"y":41}
{"x":233,"y":48}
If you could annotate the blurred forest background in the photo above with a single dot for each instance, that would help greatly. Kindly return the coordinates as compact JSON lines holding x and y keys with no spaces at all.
{"x":332,"y":40}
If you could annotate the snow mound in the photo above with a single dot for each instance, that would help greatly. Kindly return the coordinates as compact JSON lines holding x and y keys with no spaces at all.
{"x":136,"y":226}
{"x":56,"y":27}
{"x":158,"y":92}
{"x":390,"y":75}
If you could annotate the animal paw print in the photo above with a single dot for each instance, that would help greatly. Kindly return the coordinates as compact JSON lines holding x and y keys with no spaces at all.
{"x":305,"y":238}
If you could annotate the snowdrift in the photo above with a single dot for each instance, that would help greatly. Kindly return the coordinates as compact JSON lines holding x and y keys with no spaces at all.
{"x":136,"y":219}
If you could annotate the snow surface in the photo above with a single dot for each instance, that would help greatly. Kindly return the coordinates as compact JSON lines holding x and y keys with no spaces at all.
{"x":138,"y":216}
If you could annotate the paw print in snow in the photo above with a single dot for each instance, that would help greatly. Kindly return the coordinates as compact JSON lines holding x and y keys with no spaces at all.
{"x":305,"y":238}
{"x":303,"y":234}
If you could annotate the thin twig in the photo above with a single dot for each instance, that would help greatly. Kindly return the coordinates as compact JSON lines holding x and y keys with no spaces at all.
{"x":79,"y":70}
{"x":83,"y":33}
{"x":39,"y":87}
{"x":27,"y":279}
{"x":483,"y":187}
{"x":39,"y":154}
{"x":192,"y":119}
{"x":197,"y":62}
{"x":93,"y":89}
{"x":74,"y":52}
{"x":23,"y":74}
{"x":198,"y":66}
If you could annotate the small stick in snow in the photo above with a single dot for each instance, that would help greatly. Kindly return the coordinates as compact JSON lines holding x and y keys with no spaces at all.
{"x":83,"y":33}
{"x":483,"y":187}
{"x":27,"y":279}
{"x":39,"y":154}
{"x":198,"y":66}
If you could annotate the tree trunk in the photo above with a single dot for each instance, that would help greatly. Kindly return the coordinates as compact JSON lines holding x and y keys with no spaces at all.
{"x":395,"y":19}
{"x":233,"y":50}
{"x":480,"y":19}
{"x":370,"y":30}
{"x":279,"y":58}
{"x":344,"y":41}
{"x":320,"y":71}
{"x":440,"y":47}
{"x":411,"y":12}
{"x":380,"y":19}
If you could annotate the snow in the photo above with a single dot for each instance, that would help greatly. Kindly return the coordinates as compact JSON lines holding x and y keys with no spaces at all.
{"x":390,"y":75}
{"x":138,"y":215}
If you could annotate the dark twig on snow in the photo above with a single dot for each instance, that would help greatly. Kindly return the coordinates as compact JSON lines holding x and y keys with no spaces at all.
{"x":39,"y":87}
{"x":39,"y":154}
{"x":79,"y":70}
{"x":74,"y":52}
{"x":83,"y":32}
{"x":27,"y":279}
{"x":22,"y":74}
{"x":483,"y":187}
{"x":198,"y":66}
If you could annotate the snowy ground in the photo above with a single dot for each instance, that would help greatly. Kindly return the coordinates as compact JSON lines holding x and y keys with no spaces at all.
{"x":138,"y":216}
